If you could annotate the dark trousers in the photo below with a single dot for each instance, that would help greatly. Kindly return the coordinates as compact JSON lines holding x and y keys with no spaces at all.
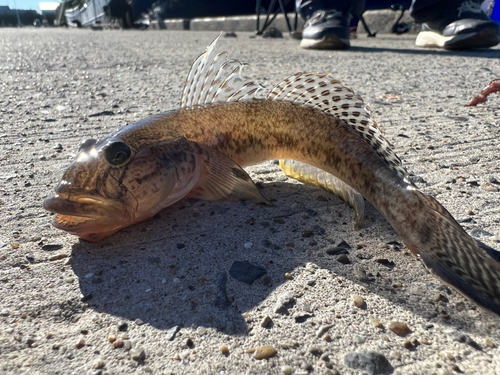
{"x":421,"y":10}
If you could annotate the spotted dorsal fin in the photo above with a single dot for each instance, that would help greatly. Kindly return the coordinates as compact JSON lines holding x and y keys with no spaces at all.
{"x":214,"y":78}
{"x":329,"y":95}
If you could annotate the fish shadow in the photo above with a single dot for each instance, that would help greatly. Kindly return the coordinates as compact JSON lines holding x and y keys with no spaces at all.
{"x":172,"y":270}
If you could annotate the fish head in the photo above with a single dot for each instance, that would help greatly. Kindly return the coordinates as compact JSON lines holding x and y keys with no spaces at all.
{"x":114,"y":183}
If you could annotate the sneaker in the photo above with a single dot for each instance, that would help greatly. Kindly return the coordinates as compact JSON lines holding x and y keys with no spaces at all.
{"x":328,"y":29}
{"x":465,"y":28}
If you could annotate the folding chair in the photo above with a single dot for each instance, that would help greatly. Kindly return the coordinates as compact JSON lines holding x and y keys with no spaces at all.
{"x":271,"y":9}
{"x":279,"y":5}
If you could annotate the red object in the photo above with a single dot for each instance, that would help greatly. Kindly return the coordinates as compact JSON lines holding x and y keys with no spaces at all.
{"x":493,"y":86}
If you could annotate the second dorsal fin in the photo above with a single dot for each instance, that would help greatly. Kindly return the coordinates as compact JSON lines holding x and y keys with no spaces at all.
{"x":214,"y":78}
{"x":322,"y":92}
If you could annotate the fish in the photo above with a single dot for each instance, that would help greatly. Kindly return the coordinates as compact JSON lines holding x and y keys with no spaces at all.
{"x":320,"y":130}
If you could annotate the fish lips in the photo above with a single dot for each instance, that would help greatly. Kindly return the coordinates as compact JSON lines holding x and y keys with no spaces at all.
{"x":84,"y":212}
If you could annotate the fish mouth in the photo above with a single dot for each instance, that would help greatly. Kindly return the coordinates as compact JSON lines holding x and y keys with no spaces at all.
{"x":87,"y":216}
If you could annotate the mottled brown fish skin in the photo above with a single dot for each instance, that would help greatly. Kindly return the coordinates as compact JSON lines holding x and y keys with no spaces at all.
{"x":253,"y":131}
{"x":258,"y":130}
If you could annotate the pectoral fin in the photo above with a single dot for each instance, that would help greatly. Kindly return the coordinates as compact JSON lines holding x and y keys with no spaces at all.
{"x":222,"y":178}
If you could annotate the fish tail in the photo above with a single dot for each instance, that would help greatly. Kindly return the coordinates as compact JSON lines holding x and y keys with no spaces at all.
{"x":453,"y":256}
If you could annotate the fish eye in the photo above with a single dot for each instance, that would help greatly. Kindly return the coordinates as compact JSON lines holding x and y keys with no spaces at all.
{"x":117,"y":153}
{"x":87,"y":144}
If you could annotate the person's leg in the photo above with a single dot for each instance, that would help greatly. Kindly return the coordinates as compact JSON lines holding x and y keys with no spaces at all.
{"x":327,"y":22}
{"x":430,"y":10}
{"x":453,"y":24}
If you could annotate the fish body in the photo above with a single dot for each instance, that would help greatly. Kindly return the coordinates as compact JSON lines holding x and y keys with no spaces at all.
{"x":321,"y":128}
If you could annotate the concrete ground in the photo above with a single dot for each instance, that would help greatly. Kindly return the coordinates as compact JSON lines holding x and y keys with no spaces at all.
{"x":151,"y":299}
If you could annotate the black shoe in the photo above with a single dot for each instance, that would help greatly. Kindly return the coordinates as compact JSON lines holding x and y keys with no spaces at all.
{"x":464,"y":28}
{"x":328,"y":29}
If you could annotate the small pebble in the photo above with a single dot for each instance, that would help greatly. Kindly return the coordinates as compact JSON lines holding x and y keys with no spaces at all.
{"x":358,"y":300}
{"x":172,"y":332}
{"x":489,"y":187}
{"x":360,"y":274}
{"x":15,"y":245}
{"x":466,"y":339}
{"x":282,"y":302}
{"x":337,"y":251}
{"x":263,"y":352}
{"x":57,"y":257}
{"x":30,"y":257}
{"x":399,"y":328}
{"x":118,"y":343}
{"x":80,"y":343}
{"x":266,"y":321}
{"x":321,"y":330}
{"x":52,"y":246}
{"x":395,"y":355}
{"x":224,"y":349}
{"x":127,"y":345}
{"x":316,"y":351}
{"x":112,"y":338}
{"x":137,"y":354}
{"x":376,"y":322}
{"x":99,"y":364}
{"x":307,"y":233}
{"x":122,"y":325}
{"x":248,"y":245}
{"x":246,"y":272}
{"x":201,"y":330}
{"x":69,"y":280}
{"x":288,"y":276}
{"x":489,"y":343}
{"x":288,"y":370}
{"x":368,"y":360}
{"x":343,"y":259}
{"x":360,"y":339}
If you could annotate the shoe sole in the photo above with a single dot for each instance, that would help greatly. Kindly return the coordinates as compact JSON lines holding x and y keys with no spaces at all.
{"x":482,"y":39}
{"x":331,"y":41}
